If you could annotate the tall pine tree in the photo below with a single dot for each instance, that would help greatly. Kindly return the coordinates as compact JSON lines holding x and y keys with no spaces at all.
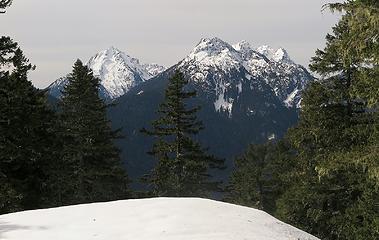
{"x":27,"y":139}
{"x":183,"y":165}
{"x":90,"y":168}
{"x":335,"y":194}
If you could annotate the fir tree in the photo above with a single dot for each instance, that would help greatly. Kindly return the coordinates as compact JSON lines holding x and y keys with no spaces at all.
{"x":183,"y":165}
{"x":259,"y":177}
{"x":26,"y":133}
{"x":4,"y":4}
{"x":248,"y":181}
{"x":335,"y":190}
{"x":90,"y":168}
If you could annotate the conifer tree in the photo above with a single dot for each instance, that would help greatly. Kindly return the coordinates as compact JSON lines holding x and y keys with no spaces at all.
{"x":183,"y":165}
{"x":90,"y":168}
{"x":259,"y":178}
{"x":248,"y":180}
{"x":335,"y":191}
{"x":4,"y":4}
{"x":26,"y":133}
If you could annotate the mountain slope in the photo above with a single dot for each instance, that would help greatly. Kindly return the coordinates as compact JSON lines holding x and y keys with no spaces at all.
{"x":238,"y":108}
{"x":158,"y":219}
{"x":117,"y":71}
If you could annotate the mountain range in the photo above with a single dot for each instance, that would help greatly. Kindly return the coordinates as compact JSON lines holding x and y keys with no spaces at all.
{"x":248,"y":95}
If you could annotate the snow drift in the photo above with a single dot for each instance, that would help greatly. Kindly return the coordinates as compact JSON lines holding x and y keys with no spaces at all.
{"x":148,"y":219}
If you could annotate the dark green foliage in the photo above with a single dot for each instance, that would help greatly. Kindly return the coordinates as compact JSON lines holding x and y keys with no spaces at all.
{"x":332,"y":184}
{"x":249,"y":181}
{"x":336,"y":189}
{"x":259,"y":179}
{"x":337,"y":203}
{"x":331,"y":181}
{"x":7,"y":49}
{"x":4,"y":4}
{"x":26,"y":133}
{"x":183,"y":165}
{"x":89,"y":169}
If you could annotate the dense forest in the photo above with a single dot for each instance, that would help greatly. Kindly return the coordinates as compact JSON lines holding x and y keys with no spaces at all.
{"x":322,"y":177}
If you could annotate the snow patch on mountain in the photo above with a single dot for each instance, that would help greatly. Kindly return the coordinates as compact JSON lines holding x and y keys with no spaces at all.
{"x":154,"y":69}
{"x":222,"y":103}
{"x":239,"y":87}
{"x":292,"y":98}
{"x":117,"y":71}
{"x":147,"y":219}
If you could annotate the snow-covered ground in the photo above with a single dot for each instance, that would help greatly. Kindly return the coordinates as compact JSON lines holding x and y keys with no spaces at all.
{"x":148,"y":219}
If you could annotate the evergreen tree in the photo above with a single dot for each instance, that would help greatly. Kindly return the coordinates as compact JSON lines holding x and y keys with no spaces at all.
{"x":259,"y":178}
{"x":26,"y":133}
{"x":7,"y":50}
{"x":248,"y":181}
{"x":330,"y":171}
{"x":90,"y":168}
{"x":335,"y":190}
{"x":4,"y":4}
{"x":183,"y":165}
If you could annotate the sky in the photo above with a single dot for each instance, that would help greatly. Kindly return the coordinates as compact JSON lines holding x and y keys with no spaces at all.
{"x":54,"y":33}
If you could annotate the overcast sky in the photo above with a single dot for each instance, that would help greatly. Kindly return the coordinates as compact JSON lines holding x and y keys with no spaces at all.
{"x":54,"y":33}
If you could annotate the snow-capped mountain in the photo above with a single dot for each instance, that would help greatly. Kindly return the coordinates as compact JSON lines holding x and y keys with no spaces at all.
{"x":248,"y":95}
{"x":117,"y":71}
{"x":212,"y":53}
{"x":215,"y":58}
{"x":217,"y":69}
{"x":236,"y":91}
{"x":287,"y":79}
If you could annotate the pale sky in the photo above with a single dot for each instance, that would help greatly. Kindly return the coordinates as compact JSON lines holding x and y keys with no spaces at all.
{"x":54,"y":33}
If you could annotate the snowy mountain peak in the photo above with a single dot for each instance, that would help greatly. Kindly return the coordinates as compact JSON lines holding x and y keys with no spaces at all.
{"x":112,"y":50}
{"x":215,"y":41}
{"x":210,"y":47}
{"x":117,"y":71}
{"x":281,"y":55}
{"x":242,"y":46}
{"x":114,"y":53}
{"x":113,"y":57}
{"x":266,"y":50}
{"x":214,"y":63}
{"x":213,"y":52}
{"x":276,"y":55}
{"x":248,"y":53}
